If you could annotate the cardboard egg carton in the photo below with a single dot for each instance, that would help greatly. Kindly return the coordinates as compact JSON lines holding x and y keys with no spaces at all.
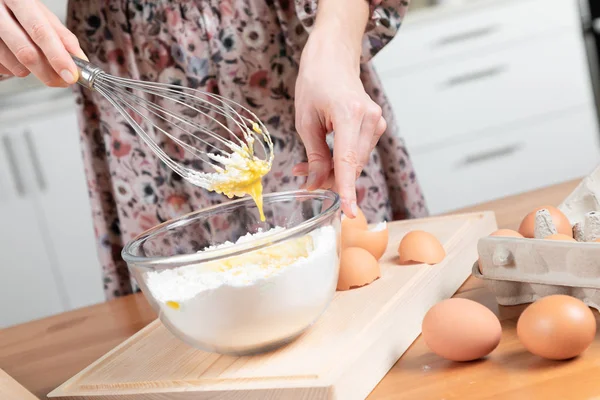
{"x":522,"y":270}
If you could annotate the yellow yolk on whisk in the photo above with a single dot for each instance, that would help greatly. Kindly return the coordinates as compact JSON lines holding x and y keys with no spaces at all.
{"x":242,"y":174}
{"x":248,"y":183}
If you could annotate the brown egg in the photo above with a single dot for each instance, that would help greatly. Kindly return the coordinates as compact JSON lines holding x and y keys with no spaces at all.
{"x":560,"y":221}
{"x":421,"y":247}
{"x":504,"y":233}
{"x":461,"y":330}
{"x":358,"y":222}
{"x":358,"y":268}
{"x":557,"y":327}
{"x":560,"y":236}
{"x":375,"y":241}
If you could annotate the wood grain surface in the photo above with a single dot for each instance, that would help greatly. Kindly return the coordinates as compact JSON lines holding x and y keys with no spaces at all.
{"x":347,"y":351}
{"x":12,"y":390}
{"x":43,"y":354}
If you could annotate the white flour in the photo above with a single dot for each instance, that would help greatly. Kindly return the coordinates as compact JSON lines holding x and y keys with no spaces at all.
{"x":253,"y":300}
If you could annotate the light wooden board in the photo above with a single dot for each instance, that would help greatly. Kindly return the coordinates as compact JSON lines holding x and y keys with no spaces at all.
{"x":10,"y":389}
{"x":343,"y":356}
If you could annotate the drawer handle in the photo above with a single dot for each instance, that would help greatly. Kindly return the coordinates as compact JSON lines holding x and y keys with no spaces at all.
{"x":489,"y":155}
{"x":474,"y":76}
{"x":463,"y":36}
{"x":35,"y":160}
{"x":13,"y":165}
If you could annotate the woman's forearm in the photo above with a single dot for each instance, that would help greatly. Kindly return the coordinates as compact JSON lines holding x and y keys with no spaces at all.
{"x":343,"y":22}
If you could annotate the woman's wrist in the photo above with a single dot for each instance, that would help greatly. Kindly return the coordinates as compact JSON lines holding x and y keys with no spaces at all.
{"x":341,"y":24}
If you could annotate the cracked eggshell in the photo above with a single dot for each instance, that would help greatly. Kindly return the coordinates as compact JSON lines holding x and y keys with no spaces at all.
{"x":358,"y":268}
{"x":358,"y":222}
{"x":375,"y":241}
{"x":560,"y":220}
{"x":420,"y":247}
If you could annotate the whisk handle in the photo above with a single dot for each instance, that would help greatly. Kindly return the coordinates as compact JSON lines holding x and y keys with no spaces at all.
{"x":87,"y":72}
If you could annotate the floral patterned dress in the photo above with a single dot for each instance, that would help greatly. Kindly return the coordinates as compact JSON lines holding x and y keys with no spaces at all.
{"x":247,"y":50}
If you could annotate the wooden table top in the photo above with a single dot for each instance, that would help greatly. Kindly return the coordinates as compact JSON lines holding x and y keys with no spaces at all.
{"x":43,"y":354}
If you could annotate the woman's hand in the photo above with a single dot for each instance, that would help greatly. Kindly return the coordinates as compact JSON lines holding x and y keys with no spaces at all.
{"x":330,"y":97}
{"x":33,"y":40}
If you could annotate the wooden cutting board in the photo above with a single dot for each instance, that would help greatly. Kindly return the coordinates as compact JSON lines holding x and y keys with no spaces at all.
{"x":343,"y":356}
{"x":12,"y":390}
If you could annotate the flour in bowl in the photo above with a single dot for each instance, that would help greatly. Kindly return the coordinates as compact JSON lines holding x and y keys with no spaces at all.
{"x":250,"y":300}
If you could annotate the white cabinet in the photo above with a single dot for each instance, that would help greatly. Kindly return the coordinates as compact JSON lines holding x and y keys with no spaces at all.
{"x":28,"y":287}
{"x":48,"y":255}
{"x":62,"y":195}
{"x":508,"y":161}
{"x":472,"y":95}
{"x":480,"y":26}
{"x":493,"y":98}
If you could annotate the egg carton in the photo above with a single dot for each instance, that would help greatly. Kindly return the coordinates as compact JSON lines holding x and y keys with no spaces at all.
{"x":522,"y":270}
{"x":514,"y":288}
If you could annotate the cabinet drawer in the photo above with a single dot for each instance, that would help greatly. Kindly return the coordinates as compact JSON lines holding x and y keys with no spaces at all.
{"x":475,"y":94}
{"x":29,"y":286}
{"x":431,"y":36}
{"x":509,"y":162}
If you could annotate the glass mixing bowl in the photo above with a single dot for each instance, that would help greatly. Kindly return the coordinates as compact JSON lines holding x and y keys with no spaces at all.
{"x":251,"y":297}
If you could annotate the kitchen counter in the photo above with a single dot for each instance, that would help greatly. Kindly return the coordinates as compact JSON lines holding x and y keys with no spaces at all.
{"x":43,"y":354}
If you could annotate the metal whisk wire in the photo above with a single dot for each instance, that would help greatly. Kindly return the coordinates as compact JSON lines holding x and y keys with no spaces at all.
{"x":218,"y":110}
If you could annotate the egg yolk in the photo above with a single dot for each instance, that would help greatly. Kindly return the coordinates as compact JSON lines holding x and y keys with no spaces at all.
{"x":243,"y":174}
{"x":278,"y":255}
{"x":173,"y":304}
{"x":248,"y":179}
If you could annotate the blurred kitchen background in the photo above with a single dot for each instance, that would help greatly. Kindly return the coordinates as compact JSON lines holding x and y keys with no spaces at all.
{"x":493,"y":97}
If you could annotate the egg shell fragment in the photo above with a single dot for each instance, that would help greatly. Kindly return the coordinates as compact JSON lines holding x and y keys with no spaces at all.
{"x":375,"y":241}
{"x":561,"y":222}
{"x":421,"y":247}
{"x":557,"y":327}
{"x":460,"y":329}
{"x":358,"y":222}
{"x":358,"y":268}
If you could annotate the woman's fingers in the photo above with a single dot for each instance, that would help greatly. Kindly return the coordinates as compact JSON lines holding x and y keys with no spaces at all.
{"x":30,"y":37}
{"x":330,"y":181}
{"x":27,"y":54}
{"x":369,"y":135}
{"x":379,"y":131}
{"x":302,"y":170}
{"x":347,"y":125}
{"x":10,"y":63}
{"x":67,"y":37}
{"x":34,"y":21}
{"x":4,"y":71}
{"x":318,"y":153}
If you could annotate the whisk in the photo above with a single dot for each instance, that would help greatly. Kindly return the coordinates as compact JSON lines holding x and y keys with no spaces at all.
{"x":149,"y":108}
